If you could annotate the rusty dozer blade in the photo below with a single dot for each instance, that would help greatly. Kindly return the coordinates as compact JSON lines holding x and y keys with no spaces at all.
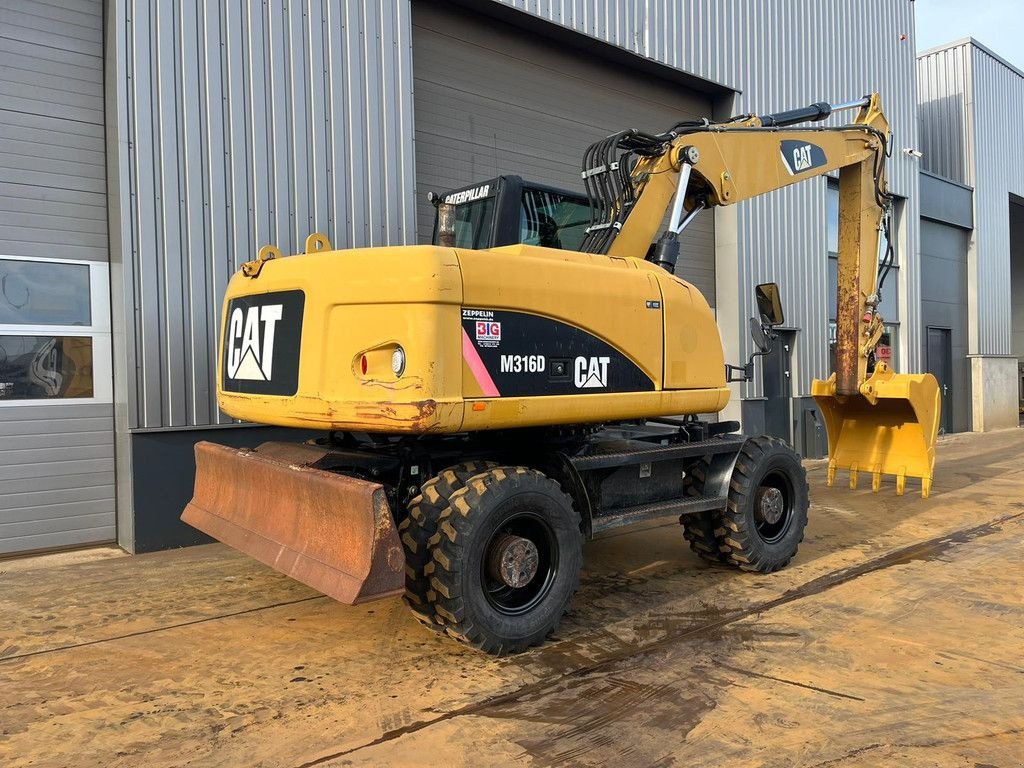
{"x":889,"y":429}
{"x":329,"y":531}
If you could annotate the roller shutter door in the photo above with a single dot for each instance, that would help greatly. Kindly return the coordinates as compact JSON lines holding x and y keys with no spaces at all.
{"x":491,"y":99}
{"x":56,"y":412}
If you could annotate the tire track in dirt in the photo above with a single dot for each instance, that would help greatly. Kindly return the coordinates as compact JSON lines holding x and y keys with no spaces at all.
{"x":6,"y":655}
{"x":924,"y":550}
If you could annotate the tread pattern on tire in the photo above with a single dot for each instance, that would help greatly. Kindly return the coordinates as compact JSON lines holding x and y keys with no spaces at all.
{"x":448,"y":556}
{"x":425,"y":512}
{"x":701,"y":529}
{"x":734,"y":534}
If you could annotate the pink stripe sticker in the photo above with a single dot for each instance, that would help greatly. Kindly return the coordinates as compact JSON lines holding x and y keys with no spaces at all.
{"x":476,"y":365}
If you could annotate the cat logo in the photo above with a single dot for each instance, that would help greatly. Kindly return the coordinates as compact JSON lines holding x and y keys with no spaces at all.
{"x":251,"y":342}
{"x":802,"y":156}
{"x":591,"y":372}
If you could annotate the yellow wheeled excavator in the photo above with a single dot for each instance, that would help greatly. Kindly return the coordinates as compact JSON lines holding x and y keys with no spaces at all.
{"x":484,"y":410}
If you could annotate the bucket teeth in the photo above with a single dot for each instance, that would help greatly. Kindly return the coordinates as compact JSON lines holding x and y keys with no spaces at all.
{"x":891,"y":433}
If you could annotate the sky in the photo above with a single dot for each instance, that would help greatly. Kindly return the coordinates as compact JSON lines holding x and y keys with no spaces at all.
{"x":996,"y":24}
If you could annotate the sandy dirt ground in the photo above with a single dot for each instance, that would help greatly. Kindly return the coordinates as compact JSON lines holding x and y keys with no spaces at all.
{"x":896,"y":638}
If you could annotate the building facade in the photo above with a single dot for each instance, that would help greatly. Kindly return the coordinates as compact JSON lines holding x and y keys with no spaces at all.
{"x":971,"y":103}
{"x":148,"y":149}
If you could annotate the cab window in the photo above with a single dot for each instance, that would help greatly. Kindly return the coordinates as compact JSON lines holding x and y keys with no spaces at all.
{"x":473,"y":222}
{"x":553,"y":219}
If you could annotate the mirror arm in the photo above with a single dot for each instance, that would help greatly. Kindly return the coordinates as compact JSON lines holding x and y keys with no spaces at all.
{"x":741,"y":373}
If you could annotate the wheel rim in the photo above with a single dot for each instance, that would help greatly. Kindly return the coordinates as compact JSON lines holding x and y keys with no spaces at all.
{"x":773,"y":507}
{"x":520,"y":564}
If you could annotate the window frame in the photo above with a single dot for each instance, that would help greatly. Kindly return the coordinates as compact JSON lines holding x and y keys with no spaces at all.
{"x":98,"y":331}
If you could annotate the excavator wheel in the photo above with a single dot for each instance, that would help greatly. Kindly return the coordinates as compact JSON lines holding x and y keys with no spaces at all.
{"x":766,"y":514}
{"x":507,"y":560}
{"x":415,"y":531}
{"x":700,"y":529}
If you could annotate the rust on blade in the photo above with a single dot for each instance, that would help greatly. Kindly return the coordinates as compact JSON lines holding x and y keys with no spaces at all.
{"x":329,"y":531}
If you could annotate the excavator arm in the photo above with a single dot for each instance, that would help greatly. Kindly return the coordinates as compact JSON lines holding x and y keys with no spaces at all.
{"x":877,"y":421}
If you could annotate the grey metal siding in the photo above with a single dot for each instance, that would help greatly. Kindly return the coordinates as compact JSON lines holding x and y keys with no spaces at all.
{"x":491,"y":100}
{"x":782,"y":55}
{"x":980,"y":98}
{"x":944,"y":79}
{"x":57,"y":475}
{"x":240,"y":125}
{"x":945,"y":201}
{"x":998,"y":159}
{"x":52,"y":173}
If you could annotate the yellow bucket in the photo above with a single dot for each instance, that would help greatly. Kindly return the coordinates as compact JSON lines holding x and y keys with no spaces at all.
{"x":888,"y":429}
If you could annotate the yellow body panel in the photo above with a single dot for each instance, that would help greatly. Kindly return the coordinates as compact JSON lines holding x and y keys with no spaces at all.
{"x":366,"y":302}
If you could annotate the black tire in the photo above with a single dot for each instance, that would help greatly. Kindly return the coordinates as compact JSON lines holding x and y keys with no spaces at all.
{"x":478,"y":607}
{"x":766,"y":514}
{"x":420,"y":525}
{"x":701,"y":529}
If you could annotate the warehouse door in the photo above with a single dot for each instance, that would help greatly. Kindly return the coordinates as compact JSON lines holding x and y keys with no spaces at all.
{"x":56,"y":412}
{"x":491,"y":99}
{"x":940,"y":364}
{"x":944,"y":305}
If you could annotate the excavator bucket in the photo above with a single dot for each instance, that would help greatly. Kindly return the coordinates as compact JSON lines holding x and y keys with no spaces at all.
{"x":889,"y":429}
{"x":329,"y":531}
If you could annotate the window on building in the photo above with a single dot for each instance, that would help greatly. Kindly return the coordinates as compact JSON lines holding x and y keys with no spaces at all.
{"x":45,"y":367}
{"x":889,"y":306}
{"x":44,"y":293}
{"x":54,"y":330}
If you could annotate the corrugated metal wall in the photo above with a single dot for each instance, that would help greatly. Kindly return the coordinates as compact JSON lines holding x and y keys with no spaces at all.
{"x":998,"y":158}
{"x":490,"y":100}
{"x":238,"y":125}
{"x":781,"y":55}
{"x":245,"y":124}
{"x":944,"y":85}
{"x":970,"y":90}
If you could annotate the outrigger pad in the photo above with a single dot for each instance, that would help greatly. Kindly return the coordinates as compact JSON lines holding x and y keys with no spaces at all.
{"x":329,"y":531}
{"x":889,"y":429}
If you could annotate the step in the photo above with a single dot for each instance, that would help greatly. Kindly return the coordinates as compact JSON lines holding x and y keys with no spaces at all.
{"x":616,"y":518}
{"x":617,"y":453}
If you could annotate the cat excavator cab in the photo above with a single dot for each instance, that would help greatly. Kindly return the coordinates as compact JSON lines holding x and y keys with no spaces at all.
{"x":486,"y":409}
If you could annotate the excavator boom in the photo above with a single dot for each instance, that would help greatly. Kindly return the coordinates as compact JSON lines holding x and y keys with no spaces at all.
{"x":877,"y":421}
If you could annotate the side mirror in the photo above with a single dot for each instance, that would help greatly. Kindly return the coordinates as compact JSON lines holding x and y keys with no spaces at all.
{"x":769,"y":304}
{"x":761,"y":340}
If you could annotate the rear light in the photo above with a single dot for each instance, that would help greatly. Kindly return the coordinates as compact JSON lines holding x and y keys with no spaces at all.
{"x":398,"y":361}
{"x":363,"y":365}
